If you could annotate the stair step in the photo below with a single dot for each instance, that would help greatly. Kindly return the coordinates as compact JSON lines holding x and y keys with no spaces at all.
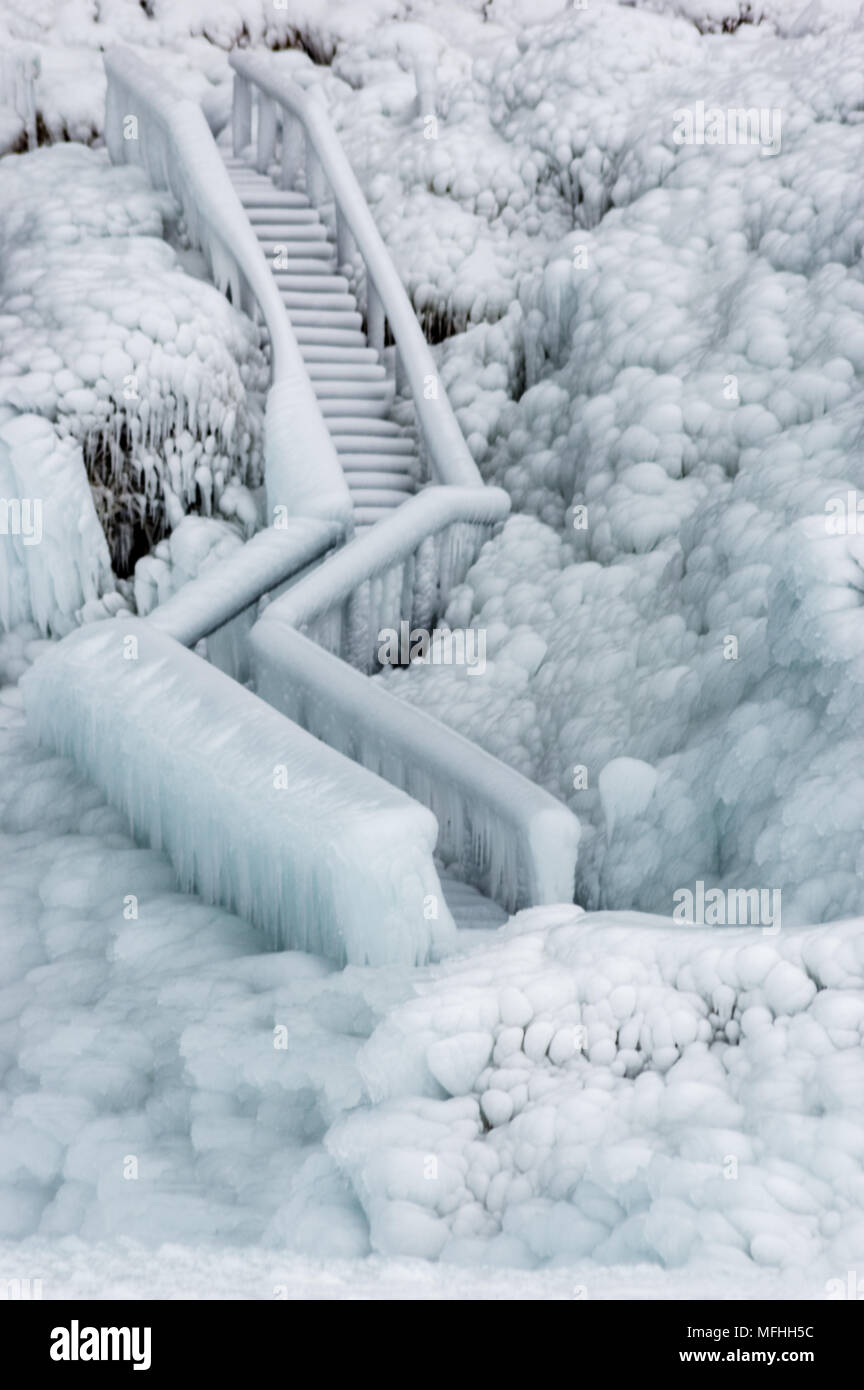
{"x":293,"y":251}
{"x":257,"y":186}
{"x":306,"y":284}
{"x":300,"y":299}
{"x":353,"y":390}
{"x":345,"y":372}
{"x":326,"y":318}
{"x":277,"y":220}
{"x":470,"y":908}
{"x":269,"y":198}
{"x":370,"y":451}
{"x":381,"y":429}
{"x":303,"y":232}
{"x":246,"y":173}
{"x":372,"y":466}
{"x":329,"y":337}
{"x":338,"y":356}
{"x":302,"y":265}
{"x":378,"y":489}
{"x":368,"y":409}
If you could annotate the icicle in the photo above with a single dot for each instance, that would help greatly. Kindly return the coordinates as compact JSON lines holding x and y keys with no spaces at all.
{"x":253,"y":812}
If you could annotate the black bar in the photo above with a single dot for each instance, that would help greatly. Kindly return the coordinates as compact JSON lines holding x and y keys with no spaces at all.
{"x":223,"y":1339}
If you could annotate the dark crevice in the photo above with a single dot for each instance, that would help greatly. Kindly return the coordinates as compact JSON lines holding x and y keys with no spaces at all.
{"x":132,"y":522}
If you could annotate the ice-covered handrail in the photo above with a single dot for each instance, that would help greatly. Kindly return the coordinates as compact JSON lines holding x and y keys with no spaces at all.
{"x":392,"y":540}
{"x":507,"y":836}
{"x":147,"y":122}
{"x":447,"y":453}
{"x":253,"y":812}
{"x":269,"y":559}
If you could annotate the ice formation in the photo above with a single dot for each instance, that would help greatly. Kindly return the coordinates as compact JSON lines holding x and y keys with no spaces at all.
{"x":693,"y":383}
{"x":514,"y":842}
{"x":149,"y":369}
{"x":663,"y":367}
{"x":608,"y":1092}
{"x":253,"y":812}
{"x":593,"y":1088}
{"x":53,"y":556}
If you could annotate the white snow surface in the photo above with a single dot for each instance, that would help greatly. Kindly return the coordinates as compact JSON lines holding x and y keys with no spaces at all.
{"x":631,"y":1098}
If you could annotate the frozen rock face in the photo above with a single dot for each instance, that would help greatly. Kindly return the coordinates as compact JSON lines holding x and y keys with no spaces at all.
{"x":651,"y":1096}
{"x":149,"y":369}
{"x":684,"y":455}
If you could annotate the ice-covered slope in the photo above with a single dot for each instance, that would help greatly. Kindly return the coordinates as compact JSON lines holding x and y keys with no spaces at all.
{"x":638,"y":1103}
{"x":695,"y":386}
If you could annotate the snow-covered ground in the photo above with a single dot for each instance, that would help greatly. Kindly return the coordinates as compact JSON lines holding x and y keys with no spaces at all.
{"x":658,"y":349}
{"x":608,"y":1093}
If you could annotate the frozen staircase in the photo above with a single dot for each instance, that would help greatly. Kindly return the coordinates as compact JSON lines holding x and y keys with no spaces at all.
{"x":471,"y":910}
{"x":372,"y":525}
{"x":350,"y":381}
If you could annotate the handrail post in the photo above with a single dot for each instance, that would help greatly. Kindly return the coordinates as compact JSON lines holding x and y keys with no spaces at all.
{"x":241,"y":114}
{"x":374,"y":316}
{"x":314,"y":174}
{"x":344,"y":239}
{"x":266,"y":132}
{"x":292,"y":149}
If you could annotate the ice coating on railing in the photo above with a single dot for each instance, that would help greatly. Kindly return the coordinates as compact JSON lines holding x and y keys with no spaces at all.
{"x":271,"y":557}
{"x":449,"y":457}
{"x":171,"y":139}
{"x":507,"y":836}
{"x":401,"y":568}
{"x":253,"y":812}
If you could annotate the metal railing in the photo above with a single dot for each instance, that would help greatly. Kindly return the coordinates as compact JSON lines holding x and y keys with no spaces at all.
{"x":309,"y":149}
{"x":496,"y":830}
{"x":403,"y":568}
{"x":500,"y":831}
{"x":148,"y":123}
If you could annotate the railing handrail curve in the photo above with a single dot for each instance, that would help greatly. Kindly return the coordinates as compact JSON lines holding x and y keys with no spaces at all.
{"x":391,"y":540}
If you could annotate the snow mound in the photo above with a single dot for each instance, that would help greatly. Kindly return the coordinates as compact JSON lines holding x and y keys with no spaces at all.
{"x":596,"y":1089}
